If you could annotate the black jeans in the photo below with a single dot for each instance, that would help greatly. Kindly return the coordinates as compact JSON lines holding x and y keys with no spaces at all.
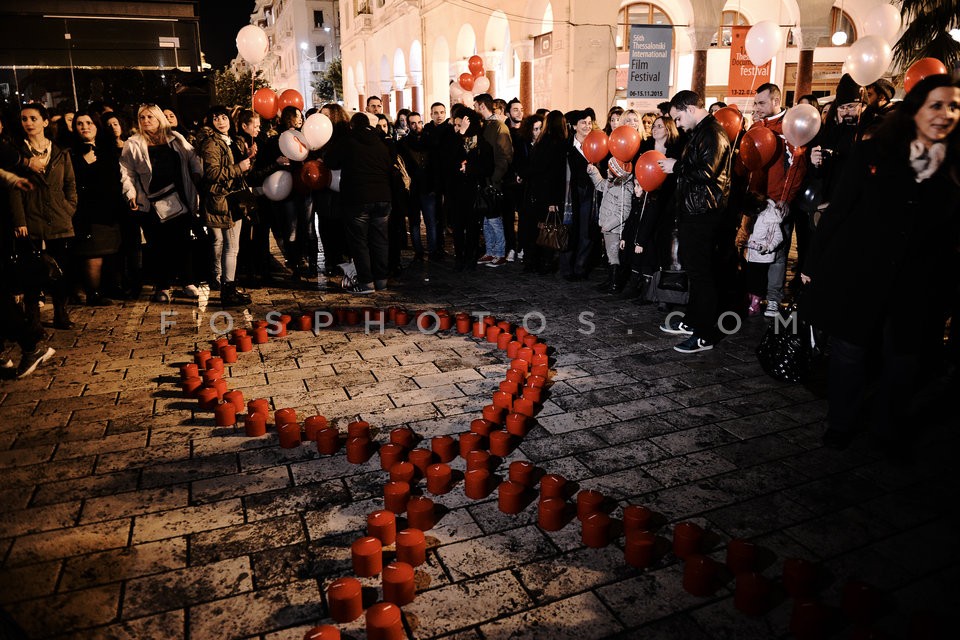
{"x":699,"y":236}
{"x":171,"y":249}
{"x":369,"y":243}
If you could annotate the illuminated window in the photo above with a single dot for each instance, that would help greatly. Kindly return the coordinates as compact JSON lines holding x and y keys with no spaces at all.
{"x":639,"y":13}
{"x":724,"y":35}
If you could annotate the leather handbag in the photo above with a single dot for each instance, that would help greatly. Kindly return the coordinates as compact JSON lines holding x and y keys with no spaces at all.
{"x":553,"y":233}
{"x":488,"y":202}
{"x":167,"y":203}
{"x":789,"y":351}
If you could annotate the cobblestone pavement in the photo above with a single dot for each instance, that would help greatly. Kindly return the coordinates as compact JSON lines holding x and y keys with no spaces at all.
{"x":127,"y":514}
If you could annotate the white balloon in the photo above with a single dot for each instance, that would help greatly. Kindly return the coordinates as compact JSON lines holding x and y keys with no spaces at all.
{"x":252,"y":44}
{"x":763,"y":41}
{"x":883,"y":21}
{"x":294,"y":145}
{"x":466,"y":99}
{"x":278,"y":185}
{"x":317,"y":130}
{"x":455,"y":92}
{"x":801,"y":124}
{"x":868,"y":59}
{"x":481,"y":84}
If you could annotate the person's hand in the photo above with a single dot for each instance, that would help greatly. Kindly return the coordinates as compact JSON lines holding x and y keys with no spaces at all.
{"x":253,"y":150}
{"x":464,"y":125}
{"x":637,"y":189}
{"x":23,"y":184}
{"x":20,"y":232}
{"x":132,"y":203}
{"x":244,"y":165}
{"x":666,"y":165}
{"x":637,"y":249}
{"x":804,"y":278}
{"x":283,"y":161}
{"x":622,"y":245}
{"x":816,"y":156}
{"x":35,"y":164}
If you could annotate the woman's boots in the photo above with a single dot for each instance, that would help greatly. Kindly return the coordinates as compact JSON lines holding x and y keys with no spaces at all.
{"x":231,"y":297}
{"x":61,"y":317}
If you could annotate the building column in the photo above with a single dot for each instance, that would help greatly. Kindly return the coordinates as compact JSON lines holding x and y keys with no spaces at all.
{"x":385,"y":88}
{"x":492,"y":61}
{"x":806,"y":38}
{"x":524,"y":51}
{"x":700,"y":38}
{"x":416,"y":87}
{"x":363,"y":101}
{"x":399,"y":82}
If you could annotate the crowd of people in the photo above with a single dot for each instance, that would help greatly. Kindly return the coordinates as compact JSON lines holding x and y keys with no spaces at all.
{"x":872,"y":203}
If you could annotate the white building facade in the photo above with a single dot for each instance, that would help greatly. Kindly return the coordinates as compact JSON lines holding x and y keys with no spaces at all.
{"x":564,"y":54}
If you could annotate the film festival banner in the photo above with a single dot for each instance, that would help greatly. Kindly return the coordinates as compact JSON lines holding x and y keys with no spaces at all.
{"x":745,"y":76}
{"x":649,"y":74}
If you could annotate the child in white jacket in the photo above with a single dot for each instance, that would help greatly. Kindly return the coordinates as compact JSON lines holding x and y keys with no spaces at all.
{"x":615,"y":207}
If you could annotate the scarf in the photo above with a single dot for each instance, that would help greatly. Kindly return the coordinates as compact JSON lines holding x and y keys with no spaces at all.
{"x":925,"y":161}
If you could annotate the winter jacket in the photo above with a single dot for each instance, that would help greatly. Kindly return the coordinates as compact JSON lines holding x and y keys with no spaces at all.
{"x":367,"y":168}
{"x":136,"y":171}
{"x":781,"y":178}
{"x":767,"y":235}
{"x":497,"y":136}
{"x":617,"y":199}
{"x":546,"y":175}
{"x":221,"y":177}
{"x":99,"y":195}
{"x":48,"y":210}
{"x":703,"y":171}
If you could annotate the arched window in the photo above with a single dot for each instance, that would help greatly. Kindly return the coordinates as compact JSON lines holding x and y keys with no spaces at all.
{"x":839,"y":21}
{"x":724,"y":35}
{"x":638,"y":13}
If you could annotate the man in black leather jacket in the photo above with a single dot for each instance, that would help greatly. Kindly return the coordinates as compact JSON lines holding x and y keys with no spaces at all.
{"x":703,"y":187}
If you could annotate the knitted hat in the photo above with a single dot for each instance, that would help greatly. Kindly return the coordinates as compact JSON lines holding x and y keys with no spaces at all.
{"x":848,"y":90}
{"x":616,"y":169}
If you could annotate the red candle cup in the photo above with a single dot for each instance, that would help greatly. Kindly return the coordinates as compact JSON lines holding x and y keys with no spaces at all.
{"x":313,"y":424}
{"x":207,"y":399}
{"x":236,"y":399}
{"x":470,"y":442}
{"x":539,"y":359}
{"x":305,"y":323}
{"x":403,"y":472}
{"x":752,"y":594}
{"x":478,"y":460}
{"x":513,"y":347}
{"x":520,"y":364}
{"x":799,"y":577}
{"x":382,"y":525}
{"x":550,"y":514}
{"x":323,"y":632}
{"x":412,"y":547}
{"x":255,"y":425}
{"x":482,"y":427}
{"x":809,"y":619}
{"x":384,"y":622}
{"x":220,"y":386}
{"x":553,"y":486}
{"x":345,"y":599}
{"x":463,"y":325}
{"x":421,"y":459}
{"x":508,"y":386}
{"x":522,"y":472}
{"x":686,"y":539}
{"x":741,"y":556}
{"x":521,"y":333}
{"x":238,"y":333}
{"x":200,"y":358}
{"x":398,"y":584}
{"x":639,"y":548}
{"x":283,"y":416}
{"x":489,"y":321}
{"x":860,"y":601}
{"x":191,"y":386}
{"x":444,"y":447}
{"x":390,"y":454}
{"x":215,"y":363}
{"x":403,"y":436}
{"x":395,"y":496}
{"x":209,"y":376}
{"x":699,"y":575}
{"x":259,"y":324}
{"x":503,"y":339}
{"x":260,"y":336}
{"x":596,"y":530}
{"x":328,"y":441}
{"x":505,"y":326}
{"x":229,"y":354}
{"x":340,"y":314}
{"x":353,"y":317}
{"x":358,"y":450}
{"x":525,"y":353}
{"x":516,"y":375}
{"x":439,"y":478}
{"x":501,"y":443}
{"x":502,"y":400}
{"x":636,"y":518}
{"x":588,"y":503}
{"x":492,"y":334}
{"x":219,"y":343}
{"x":244,"y":344}
{"x":529,"y":340}
{"x":524,"y":406}
{"x":260,"y":405}
{"x":367,"y":556}
{"x":533,"y":394}
{"x":540,"y":370}
{"x":446,"y":322}
{"x":420,"y":513}
{"x":517,"y":424}
{"x":225,"y":415}
{"x":189,"y":371}
{"x":537,"y":382}
{"x":477,"y":484}
{"x":402,"y":318}
{"x":540,"y":349}
{"x":286,"y":319}
{"x":289,"y":435}
{"x":510,"y":497}
{"x":479,"y":330}
{"x":494,"y":414}
{"x":358,"y":429}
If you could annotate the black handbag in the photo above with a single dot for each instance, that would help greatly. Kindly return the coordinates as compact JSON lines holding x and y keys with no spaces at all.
{"x":674,"y":278}
{"x":488,"y":202}
{"x":789,"y":350}
{"x":553,"y":233}
{"x":31,"y":267}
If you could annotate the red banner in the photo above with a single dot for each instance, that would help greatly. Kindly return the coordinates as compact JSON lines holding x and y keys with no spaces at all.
{"x":745,"y":76}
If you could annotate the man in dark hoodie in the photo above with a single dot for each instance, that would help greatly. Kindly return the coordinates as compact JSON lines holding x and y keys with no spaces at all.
{"x":833,"y":144}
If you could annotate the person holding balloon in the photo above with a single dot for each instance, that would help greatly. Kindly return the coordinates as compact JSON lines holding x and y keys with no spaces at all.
{"x":889,"y":237}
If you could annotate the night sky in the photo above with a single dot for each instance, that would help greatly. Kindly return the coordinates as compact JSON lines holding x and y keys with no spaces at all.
{"x":220,"y":20}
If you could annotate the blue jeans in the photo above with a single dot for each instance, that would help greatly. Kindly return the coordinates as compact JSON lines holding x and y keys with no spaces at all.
{"x":428,"y":208}
{"x":493,"y":237}
{"x":367,"y":232}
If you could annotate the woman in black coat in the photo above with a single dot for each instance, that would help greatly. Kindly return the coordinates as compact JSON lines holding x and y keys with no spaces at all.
{"x":470,"y":165}
{"x":881,"y":273}
{"x":547,"y":182}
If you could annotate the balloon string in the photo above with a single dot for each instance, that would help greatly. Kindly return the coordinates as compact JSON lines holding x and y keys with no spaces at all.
{"x":798,"y":155}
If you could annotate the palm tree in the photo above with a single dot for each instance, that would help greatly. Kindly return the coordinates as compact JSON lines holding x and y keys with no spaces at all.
{"x":928,"y":22}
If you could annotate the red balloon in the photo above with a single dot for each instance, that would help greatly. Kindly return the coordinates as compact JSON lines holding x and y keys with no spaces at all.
{"x":315,"y":175}
{"x":758,"y":147}
{"x":475,"y":64}
{"x":648,"y":172}
{"x":624,"y":143}
{"x":595,"y":146}
{"x":732,"y":121}
{"x":266,"y":103}
{"x":291,"y":98}
{"x":466,"y":81}
{"x":921,"y":69}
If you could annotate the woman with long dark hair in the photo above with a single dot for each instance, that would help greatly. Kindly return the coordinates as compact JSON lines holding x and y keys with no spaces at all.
{"x":547,"y":182}
{"x":530,"y":129}
{"x":471,"y":163}
{"x":326,"y":203}
{"x":891,"y":226}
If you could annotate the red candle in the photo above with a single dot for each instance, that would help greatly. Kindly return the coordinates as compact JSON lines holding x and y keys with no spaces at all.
{"x":244,"y":344}
{"x":529,"y":340}
{"x":439,"y":478}
{"x":390,"y":454}
{"x":520,"y":364}
{"x":752,"y":594}
{"x":341,"y":315}
{"x":412,"y":547}
{"x":533,"y":394}
{"x":323,"y":632}
{"x":402,"y":436}
{"x":260,"y":336}
{"x":699,"y":573}
{"x":446,"y":322}
{"x":403,"y":472}
{"x":493,"y":333}
{"x":809,"y":619}
{"x":402,"y":318}
{"x":539,"y":359}
{"x":517,"y":424}
{"x":189,"y":371}
{"x":305,"y":323}
{"x":328,"y":441}
{"x":512,"y":348}
{"x":313,"y":424}
{"x":358,"y":429}
{"x":540,"y":370}
{"x":479,"y":330}
{"x":482,"y":427}
{"x":505,"y":326}
{"x":522,"y":472}
{"x":260,"y":405}
{"x":384,"y":620}
{"x":469,"y":442}
{"x":398,"y":585}
{"x":395,"y":496}
{"x":510,"y":497}
{"x":537,"y":381}
{"x":502,"y":400}
{"x":553,"y":486}
{"x":255,"y":425}
{"x":220,"y":386}
{"x":525,"y":352}
{"x":200,"y":358}
{"x":503,"y":339}
{"x":236,"y":399}
{"x":477,"y":484}
{"x":210,"y":376}
{"x":191,"y":386}
{"x":463,"y":325}
{"x":421,"y":459}
{"x":508,"y":386}
{"x":283,"y":416}
{"x":521,"y":333}
{"x":382,"y":525}
{"x":215,"y":363}
{"x":367,"y":555}
{"x":516,"y":375}
{"x":289,"y":435}
{"x":596,"y":530}
{"x":501,"y":443}
{"x":799,"y":577}
{"x":444,"y":447}
{"x":686,"y":539}
{"x":285,"y":320}
{"x":636,"y":518}
{"x":741,"y":556}
{"x":238,"y":333}
{"x":478,"y":460}
{"x":588,"y":502}
{"x":638,"y":551}
{"x":358,"y":450}
{"x":420,"y":513}
{"x":489,"y":321}
{"x":228,"y":353}
{"x":353,"y":317}
{"x":540,"y":348}
{"x":345,"y":599}
{"x":860,"y":601}
{"x":494,"y":414}
{"x":525,"y":407}
{"x":225,"y":415}
{"x":207,"y":399}
{"x":259,"y":324}
{"x":550,"y":514}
